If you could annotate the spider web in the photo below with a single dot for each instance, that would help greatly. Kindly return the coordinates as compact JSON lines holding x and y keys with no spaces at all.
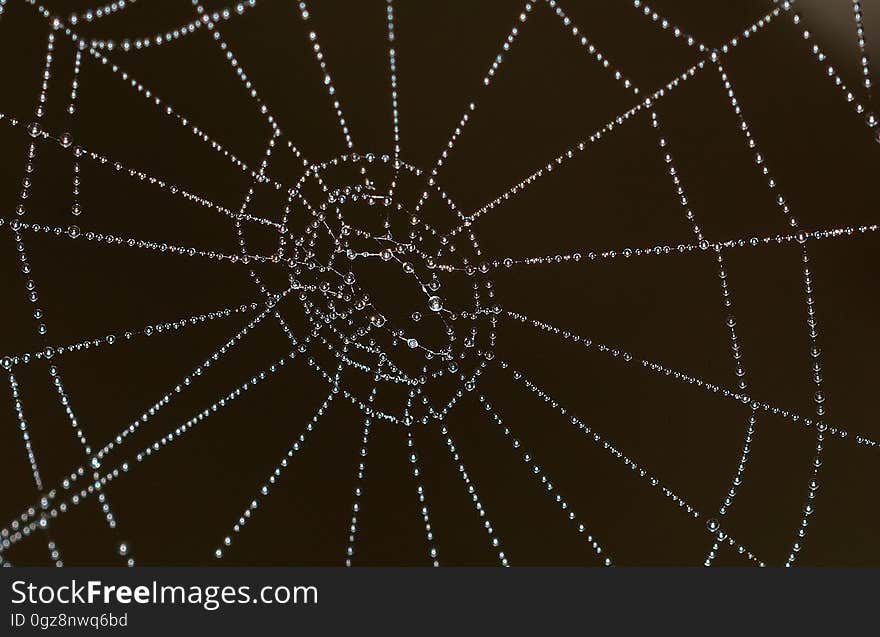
{"x":366,"y":268}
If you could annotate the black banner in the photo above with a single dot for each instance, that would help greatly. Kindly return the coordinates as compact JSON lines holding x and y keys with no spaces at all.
{"x":538,"y":601}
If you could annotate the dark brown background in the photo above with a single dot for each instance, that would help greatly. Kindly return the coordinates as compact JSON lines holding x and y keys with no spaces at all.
{"x":175,"y":508}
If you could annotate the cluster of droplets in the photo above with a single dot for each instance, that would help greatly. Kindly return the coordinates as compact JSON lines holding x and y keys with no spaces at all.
{"x":54,"y":553}
{"x":127,"y":45}
{"x":316,"y":317}
{"x":863,"y":50}
{"x":402,"y":251}
{"x":90,"y":15}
